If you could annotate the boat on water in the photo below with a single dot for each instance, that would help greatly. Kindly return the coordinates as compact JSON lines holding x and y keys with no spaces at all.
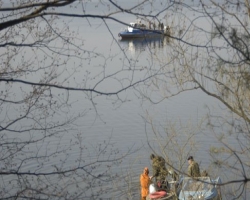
{"x":202,"y":188}
{"x":141,"y":30}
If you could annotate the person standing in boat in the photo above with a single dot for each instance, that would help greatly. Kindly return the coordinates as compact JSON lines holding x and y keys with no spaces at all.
{"x":154,"y":25}
{"x":159,"y":170}
{"x":162,"y":26}
{"x":193,"y":167}
{"x":159,"y":25}
{"x":149,"y":25}
{"x":145,"y":181}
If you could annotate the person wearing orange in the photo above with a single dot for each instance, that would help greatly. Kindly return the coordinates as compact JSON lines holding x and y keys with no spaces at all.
{"x":145,"y":182}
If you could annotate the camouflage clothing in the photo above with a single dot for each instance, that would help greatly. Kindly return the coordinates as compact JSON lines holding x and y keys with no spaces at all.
{"x":193,"y":169}
{"x":159,"y":170}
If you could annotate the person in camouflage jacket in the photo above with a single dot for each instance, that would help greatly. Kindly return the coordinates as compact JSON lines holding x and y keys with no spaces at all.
{"x":193,"y":168}
{"x":159,"y":169}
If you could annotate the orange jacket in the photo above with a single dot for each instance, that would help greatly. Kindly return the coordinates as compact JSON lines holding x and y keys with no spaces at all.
{"x":145,"y":182}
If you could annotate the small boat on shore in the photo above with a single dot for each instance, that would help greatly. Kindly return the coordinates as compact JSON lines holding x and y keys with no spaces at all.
{"x":188,"y":188}
{"x":140,"y":30}
{"x":202,"y":188}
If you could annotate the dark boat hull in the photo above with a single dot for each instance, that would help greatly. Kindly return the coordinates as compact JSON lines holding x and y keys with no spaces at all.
{"x":141,"y":34}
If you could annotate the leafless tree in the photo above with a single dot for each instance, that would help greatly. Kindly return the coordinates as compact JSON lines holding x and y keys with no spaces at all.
{"x":42,"y":56}
{"x":43,"y":62}
{"x":210,"y":53}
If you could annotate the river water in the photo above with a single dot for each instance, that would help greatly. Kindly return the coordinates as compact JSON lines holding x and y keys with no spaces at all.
{"x":125,"y":122}
{"x":122,"y":121}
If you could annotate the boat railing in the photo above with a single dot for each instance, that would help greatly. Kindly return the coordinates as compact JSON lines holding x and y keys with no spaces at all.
{"x":124,"y":29}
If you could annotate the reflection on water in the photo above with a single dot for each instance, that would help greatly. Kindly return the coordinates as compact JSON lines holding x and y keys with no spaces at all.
{"x":140,"y":44}
{"x":124,"y":126}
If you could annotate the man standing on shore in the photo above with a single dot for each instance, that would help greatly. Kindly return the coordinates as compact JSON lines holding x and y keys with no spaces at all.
{"x":159,"y":169}
{"x":193,"y":168}
{"x":145,"y":181}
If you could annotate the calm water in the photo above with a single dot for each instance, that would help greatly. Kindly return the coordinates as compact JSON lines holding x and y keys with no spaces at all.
{"x":123,"y":124}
